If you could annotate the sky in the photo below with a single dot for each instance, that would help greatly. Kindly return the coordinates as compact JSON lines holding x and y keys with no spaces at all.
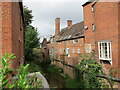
{"x":46,"y":11}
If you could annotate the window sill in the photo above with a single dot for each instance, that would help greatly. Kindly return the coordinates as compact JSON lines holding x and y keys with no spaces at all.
{"x":105,"y":59}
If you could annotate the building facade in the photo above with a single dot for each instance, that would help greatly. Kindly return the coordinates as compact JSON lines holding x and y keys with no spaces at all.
{"x":45,"y":50}
{"x":12,"y":31}
{"x":101,"y":20}
{"x":98,"y":35}
{"x":68,"y":44}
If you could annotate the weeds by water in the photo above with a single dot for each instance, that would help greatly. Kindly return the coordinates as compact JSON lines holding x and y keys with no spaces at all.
{"x":54,"y":69}
{"x":69,"y":82}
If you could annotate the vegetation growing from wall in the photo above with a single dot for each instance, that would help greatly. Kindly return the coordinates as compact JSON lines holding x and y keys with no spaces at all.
{"x":88,"y":70}
{"x":21,"y":80}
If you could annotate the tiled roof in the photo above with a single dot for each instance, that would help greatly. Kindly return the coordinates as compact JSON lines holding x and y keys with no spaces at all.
{"x":76,"y":30}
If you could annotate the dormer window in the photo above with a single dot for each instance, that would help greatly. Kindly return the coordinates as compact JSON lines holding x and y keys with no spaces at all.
{"x":52,"y":41}
{"x":75,"y":41}
{"x":93,"y":9}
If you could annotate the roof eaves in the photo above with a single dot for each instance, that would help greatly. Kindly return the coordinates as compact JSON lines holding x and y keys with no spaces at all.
{"x":89,"y":1}
{"x":71,"y":38}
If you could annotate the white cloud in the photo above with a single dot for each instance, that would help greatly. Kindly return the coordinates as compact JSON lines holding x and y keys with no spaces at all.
{"x":45,"y":13}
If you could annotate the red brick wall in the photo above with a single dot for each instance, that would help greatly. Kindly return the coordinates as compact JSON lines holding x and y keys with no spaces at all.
{"x":45,"y":49}
{"x":74,"y":57}
{"x":0,"y":29}
{"x":105,"y":18}
{"x":107,"y":26}
{"x":17,"y":34}
{"x":6,"y":27}
{"x":119,"y":37}
{"x":69,"y":44}
{"x":12,"y":32}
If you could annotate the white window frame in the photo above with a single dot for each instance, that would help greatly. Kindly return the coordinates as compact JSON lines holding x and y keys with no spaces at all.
{"x":67,"y":51}
{"x":102,"y":53}
{"x":73,"y":50}
{"x":93,"y":8}
{"x":79,"y":51}
{"x":88,"y":48}
{"x":51,"y":41}
{"x":75,"y":41}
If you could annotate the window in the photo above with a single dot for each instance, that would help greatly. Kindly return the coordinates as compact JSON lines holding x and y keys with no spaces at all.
{"x":79,"y":51}
{"x":73,"y":50}
{"x":51,"y":40}
{"x":88,"y":48}
{"x":93,"y":9}
{"x":94,"y":27}
{"x":68,"y":52}
{"x":75,"y":41}
{"x":105,"y":52}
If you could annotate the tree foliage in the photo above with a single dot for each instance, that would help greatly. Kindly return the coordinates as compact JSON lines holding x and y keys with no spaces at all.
{"x":88,"y":69}
{"x":31,"y":35}
{"x":31,"y":42}
{"x":27,"y":16}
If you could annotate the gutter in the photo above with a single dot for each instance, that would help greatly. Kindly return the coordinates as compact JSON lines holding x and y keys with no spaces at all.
{"x":71,"y":38}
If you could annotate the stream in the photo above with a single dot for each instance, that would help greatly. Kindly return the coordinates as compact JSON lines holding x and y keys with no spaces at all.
{"x":54,"y":80}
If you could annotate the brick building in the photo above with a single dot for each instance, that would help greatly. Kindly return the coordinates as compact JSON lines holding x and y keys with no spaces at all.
{"x":68,"y":44}
{"x":101,"y":20}
{"x":98,"y":34}
{"x":45,"y":50}
{"x":12,"y":31}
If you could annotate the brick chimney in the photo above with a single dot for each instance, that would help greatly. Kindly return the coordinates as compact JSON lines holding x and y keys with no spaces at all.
{"x":57,"y":27}
{"x":69,"y":23}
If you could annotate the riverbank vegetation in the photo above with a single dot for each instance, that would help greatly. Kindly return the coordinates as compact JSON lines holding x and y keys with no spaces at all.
{"x":86,"y":75}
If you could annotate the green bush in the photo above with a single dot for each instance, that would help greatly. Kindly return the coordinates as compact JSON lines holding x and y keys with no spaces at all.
{"x":54,"y":69}
{"x":88,"y":70}
{"x":21,"y":80}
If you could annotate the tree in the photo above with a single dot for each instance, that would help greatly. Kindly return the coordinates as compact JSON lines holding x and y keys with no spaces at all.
{"x":27,"y":16}
{"x":31,"y":35}
{"x":31,"y":41}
